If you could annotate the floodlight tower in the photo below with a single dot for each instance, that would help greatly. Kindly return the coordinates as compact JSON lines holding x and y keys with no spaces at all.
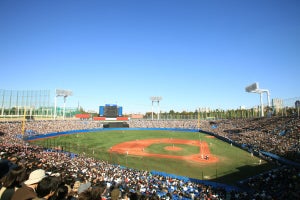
{"x":255,"y":89}
{"x":155,"y":99}
{"x":64,"y":94}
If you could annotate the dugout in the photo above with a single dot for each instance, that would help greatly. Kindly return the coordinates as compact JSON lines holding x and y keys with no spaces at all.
{"x":116,"y":125}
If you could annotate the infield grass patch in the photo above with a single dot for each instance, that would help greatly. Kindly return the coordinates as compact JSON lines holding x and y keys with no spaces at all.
{"x":185,"y":150}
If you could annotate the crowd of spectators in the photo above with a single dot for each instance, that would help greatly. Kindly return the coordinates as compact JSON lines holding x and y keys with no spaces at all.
{"x":277,"y":135}
{"x":87,"y":178}
{"x":48,"y":126}
{"x":183,"y":124}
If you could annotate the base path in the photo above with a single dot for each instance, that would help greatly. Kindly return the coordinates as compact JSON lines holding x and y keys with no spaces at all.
{"x":138,"y":147}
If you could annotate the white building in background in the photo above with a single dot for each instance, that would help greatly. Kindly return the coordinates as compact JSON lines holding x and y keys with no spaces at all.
{"x":277,"y":104}
{"x":242,"y":107}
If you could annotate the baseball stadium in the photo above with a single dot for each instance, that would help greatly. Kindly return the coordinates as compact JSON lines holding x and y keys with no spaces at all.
{"x":206,"y":154}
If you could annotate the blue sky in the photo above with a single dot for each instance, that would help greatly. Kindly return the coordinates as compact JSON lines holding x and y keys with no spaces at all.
{"x":192,"y":53}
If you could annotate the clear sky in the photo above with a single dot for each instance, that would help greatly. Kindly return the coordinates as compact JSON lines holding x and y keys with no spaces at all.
{"x":192,"y":53}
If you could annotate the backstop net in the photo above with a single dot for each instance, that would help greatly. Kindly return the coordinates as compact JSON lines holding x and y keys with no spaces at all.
{"x":15,"y":104}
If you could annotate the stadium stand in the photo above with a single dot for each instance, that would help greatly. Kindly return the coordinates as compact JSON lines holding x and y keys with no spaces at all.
{"x":277,"y":136}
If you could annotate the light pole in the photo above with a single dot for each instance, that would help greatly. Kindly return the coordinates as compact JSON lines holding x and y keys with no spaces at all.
{"x":65,"y":94}
{"x":155,"y":99}
{"x":255,"y":89}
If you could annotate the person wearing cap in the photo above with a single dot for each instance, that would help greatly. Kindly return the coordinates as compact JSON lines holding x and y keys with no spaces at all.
{"x":27,"y":191}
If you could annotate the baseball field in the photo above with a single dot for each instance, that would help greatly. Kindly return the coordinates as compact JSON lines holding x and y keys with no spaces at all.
{"x":191,"y":154}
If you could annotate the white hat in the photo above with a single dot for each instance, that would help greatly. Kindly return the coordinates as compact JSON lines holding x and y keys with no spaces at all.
{"x":35,"y":176}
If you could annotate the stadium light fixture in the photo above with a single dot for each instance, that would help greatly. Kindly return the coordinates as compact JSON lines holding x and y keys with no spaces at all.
{"x":254,"y":88}
{"x":155,"y":99}
{"x":64,"y":94}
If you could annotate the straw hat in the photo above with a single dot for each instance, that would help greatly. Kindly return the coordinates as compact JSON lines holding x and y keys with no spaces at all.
{"x":35,"y":176}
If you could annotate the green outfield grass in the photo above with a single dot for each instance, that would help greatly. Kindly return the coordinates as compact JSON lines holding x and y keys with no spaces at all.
{"x":234,"y":164}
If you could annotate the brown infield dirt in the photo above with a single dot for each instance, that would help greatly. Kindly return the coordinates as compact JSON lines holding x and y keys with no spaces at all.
{"x":137,"y":148}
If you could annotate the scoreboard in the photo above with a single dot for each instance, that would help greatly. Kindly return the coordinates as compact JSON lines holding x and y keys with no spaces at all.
{"x":110,"y":111}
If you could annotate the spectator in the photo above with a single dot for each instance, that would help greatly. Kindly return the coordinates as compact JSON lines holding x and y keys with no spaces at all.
{"x":11,"y":182}
{"x":27,"y":191}
{"x":61,"y":193}
{"x":115,"y":193}
{"x":91,"y":194}
{"x":46,"y":187}
{"x":4,"y":168}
